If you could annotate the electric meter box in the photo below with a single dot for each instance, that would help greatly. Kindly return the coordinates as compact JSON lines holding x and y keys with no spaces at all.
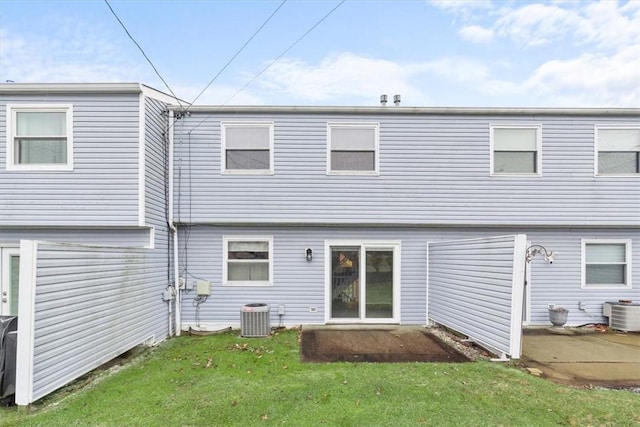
{"x":203,"y":287}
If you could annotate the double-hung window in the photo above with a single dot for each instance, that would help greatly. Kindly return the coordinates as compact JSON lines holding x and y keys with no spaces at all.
{"x":606,"y":263}
{"x":40,"y":137}
{"x":248,"y":261}
{"x":352,"y":148}
{"x":515,"y":149}
{"x":247,"y":147}
{"x":617,"y":150}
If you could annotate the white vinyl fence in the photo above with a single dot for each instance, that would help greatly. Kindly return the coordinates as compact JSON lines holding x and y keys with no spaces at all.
{"x":476,"y":287}
{"x":79,"y":307}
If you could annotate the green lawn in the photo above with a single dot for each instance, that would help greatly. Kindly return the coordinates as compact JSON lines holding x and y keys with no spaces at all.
{"x":226,"y":380}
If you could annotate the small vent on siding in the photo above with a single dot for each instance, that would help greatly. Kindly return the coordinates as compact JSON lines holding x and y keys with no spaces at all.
{"x":255,"y":320}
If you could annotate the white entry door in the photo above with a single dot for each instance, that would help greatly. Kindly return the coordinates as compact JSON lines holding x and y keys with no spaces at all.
{"x":9,"y":271}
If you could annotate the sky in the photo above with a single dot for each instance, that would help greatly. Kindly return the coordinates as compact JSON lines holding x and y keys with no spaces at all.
{"x":434,"y":53}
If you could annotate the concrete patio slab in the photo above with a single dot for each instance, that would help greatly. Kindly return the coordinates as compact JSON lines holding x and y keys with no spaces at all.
{"x":579,"y":356}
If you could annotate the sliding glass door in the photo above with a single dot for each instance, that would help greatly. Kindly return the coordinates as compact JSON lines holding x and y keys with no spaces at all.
{"x":364,"y":282}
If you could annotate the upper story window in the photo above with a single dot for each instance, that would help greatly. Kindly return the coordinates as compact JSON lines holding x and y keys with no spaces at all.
{"x":248,"y":261}
{"x":516,"y":149}
{"x":352,"y":148}
{"x":39,"y":137}
{"x":617,"y":150}
{"x":247,"y":147}
{"x":606,"y":263}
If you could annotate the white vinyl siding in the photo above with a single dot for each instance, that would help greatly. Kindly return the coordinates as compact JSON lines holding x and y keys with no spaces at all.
{"x":515,"y":149}
{"x":82,"y":306}
{"x":617,"y":150}
{"x":352,"y":148}
{"x":247,"y":147}
{"x":40,"y":137}
{"x":248,"y":261}
{"x":433,"y":170}
{"x":606,"y":263}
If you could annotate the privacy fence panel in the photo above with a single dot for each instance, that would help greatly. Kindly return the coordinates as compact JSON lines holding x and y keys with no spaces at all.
{"x":79,"y":307}
{"x":476,"y":287}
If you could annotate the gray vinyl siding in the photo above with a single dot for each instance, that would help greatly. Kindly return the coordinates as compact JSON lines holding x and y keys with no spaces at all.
{"x":134,"y":237}
{"x":91,"y":304}
{"x":155,"y":169}
{"x":155,"y":157}
{"x":433,"y":170}
{"x":471,"y":287}
{"x":560,"y":283}
{"x":102,"y":189}
{"x":300,"y":284}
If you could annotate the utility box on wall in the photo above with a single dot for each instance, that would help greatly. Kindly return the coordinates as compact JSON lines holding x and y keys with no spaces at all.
{"x":203,"y":288}
{"x":255,"y":320}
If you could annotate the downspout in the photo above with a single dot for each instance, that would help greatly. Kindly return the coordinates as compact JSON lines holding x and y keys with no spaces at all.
{"x":174,"y":231}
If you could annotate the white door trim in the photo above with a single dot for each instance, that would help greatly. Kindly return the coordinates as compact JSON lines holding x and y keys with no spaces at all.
{"x":395,"y":246}
{"x":6,"y":252}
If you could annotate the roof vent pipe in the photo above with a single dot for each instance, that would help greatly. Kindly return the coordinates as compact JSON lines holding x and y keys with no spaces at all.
{"x":396,"y":100}
{"x":383,"y":100}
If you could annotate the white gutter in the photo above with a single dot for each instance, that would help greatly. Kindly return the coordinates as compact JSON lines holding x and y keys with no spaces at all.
{"x":174,"y":231}
{"x":471,"y":111}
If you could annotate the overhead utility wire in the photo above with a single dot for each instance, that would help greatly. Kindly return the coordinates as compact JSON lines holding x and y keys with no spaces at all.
{"x":238,"y":53}
{"x":272,"y":62}
{"x":142,"y":51}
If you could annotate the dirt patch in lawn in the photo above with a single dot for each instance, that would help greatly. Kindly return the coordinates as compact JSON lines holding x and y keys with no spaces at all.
{"x":375,"y":345}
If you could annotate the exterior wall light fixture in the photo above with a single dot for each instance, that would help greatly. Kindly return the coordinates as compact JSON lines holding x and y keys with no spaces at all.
{"x":534,"y":250}
{"x":309,"y":254}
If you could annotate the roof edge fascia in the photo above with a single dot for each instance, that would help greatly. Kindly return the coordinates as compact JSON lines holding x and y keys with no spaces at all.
{"x":471,"y":111}
{"x":70,"y":88}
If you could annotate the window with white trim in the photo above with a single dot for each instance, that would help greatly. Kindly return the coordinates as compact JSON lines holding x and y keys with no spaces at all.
{"x":617,"y":150}
{"x":40,"y":137}
{"x":515,"y":149}
{"x":606,"y":263}
{"x":248,"y":261}
{"x":247,"y":147}
{"x":352,"y":148}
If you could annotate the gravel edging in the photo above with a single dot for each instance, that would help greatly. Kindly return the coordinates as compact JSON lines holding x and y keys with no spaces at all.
{"x":471,"y":350}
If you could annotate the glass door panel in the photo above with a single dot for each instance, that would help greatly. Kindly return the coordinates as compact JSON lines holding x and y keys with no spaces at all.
{"x":9,"y":281}
{"x":345,"y":282}
{"x":379,"y":284}
{"x":14,"y":271}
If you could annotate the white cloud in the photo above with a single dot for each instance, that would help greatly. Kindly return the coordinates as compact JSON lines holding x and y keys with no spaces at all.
{"x":456,"y":69}
{"x":218,"y":95}
{"x":607,"y":25}
{"x":476,"y":34}
{"x":600,"y":42}
{"x":336,"y":77}
{"x":587,"y":80}
{"x":463,"y":9}
{"x":536,"y":24}
{"x":71,"y":56}
{"x":591,"y":79}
